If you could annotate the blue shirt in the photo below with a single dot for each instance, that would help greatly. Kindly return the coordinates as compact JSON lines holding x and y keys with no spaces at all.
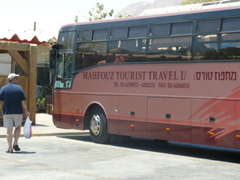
{"x":12,"y":95}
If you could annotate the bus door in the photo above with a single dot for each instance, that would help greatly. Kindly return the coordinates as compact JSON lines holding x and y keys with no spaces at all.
{"x":67,"y":110}
{"x":63,"y":109}
{"x":168,"y":119}
{"x":213,"y":122}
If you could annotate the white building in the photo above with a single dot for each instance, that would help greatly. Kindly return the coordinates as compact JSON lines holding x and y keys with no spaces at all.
{"x":42,"y":54}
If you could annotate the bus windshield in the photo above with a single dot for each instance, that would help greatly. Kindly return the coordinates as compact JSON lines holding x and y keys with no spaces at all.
{"x":63,"y":70}
{"x":63,"y":60}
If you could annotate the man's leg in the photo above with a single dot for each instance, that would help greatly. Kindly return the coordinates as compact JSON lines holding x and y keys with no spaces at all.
{"x":17,"y":133}
{"x":8,"y":123}
{"x":9,"y":139}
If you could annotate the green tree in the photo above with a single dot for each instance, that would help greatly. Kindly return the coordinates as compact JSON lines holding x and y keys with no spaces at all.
{"x":52,"y":40}
{"x":98,"y":13}
{"x":184,"y":2}
{"x":76,"y":19}
{"x":122,"y":16}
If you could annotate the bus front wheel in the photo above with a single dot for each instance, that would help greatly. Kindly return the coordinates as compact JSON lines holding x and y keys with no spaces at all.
{"x":98,"y":126}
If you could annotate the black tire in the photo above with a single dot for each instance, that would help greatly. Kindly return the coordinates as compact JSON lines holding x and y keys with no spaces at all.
{"x":98,"y":126}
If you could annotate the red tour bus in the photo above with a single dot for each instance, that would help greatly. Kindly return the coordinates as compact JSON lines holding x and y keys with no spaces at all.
{"x":169,"y":77}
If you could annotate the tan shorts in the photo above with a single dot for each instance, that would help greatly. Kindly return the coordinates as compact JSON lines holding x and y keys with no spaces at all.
{"x":12,"y":120}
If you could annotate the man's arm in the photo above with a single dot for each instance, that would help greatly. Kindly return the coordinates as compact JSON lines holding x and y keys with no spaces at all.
{"x":24,"y":104}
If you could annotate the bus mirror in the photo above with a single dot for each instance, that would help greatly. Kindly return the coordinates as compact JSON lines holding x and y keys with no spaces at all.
{"x":52,"y":58}
{"x":53,"y":54}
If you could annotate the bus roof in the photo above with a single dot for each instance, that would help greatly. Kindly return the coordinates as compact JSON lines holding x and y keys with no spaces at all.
{"x":157,"y":18}
{"x":191,"y":7}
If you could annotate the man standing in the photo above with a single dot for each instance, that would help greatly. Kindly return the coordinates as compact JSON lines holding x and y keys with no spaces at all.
{"x":13,"y":101}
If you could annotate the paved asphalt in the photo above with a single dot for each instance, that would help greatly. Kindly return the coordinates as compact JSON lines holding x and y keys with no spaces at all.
{"x":45,"y":127}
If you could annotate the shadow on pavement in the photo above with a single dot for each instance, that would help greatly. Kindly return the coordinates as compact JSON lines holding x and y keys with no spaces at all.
{"x":40,"y":125}
{"x":22,"y":152}
{"x":173,"y":148}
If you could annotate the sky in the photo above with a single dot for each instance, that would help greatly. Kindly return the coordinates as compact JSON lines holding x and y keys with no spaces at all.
{"x":18,"y":16}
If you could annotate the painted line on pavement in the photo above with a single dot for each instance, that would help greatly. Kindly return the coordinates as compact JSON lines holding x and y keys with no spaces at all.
{"x":54,"y":134}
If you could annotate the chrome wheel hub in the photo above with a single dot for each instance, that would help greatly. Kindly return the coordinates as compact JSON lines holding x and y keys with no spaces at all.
{"x":95,"y":124}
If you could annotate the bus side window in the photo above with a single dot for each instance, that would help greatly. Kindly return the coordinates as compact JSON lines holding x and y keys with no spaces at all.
{"x":129,"y":50}
{"x":78,"y":61}
{"x":205,"y":47}
{"x":119,"y":59}
{"x":230,"y":46}
{"x":170,"y":49}
{"x":217,"y":46}
{"x":90,"y":54}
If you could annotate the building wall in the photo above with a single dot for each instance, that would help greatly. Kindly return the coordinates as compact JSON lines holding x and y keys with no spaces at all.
{"x":5,"y":64}
{"x":42,"y":59}
{"x":43,"y":55}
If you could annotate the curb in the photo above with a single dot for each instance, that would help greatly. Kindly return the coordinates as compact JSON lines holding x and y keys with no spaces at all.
{"x":54,"y":134}
{"x":60,"y":134}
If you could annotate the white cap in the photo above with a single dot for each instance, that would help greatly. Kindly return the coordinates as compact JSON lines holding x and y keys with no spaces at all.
{"x":12,"y":76}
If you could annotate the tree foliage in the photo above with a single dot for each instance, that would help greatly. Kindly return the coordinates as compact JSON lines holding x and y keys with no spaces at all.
{"x":76,"y":19}
{"x":98,"y":13}
{"x":184,"y":2}
{"x":124,"y":16}
{"x":52,"y":40}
